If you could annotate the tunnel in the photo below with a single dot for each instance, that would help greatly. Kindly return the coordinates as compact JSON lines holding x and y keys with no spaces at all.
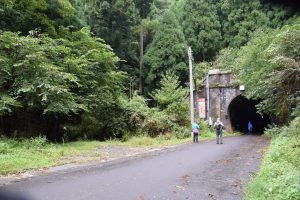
{"x":242,"y":110}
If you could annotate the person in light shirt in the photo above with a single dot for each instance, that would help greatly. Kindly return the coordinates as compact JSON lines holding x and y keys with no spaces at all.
{"x":219,"y":130}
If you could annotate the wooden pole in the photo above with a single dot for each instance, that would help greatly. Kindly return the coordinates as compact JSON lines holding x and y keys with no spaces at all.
{"x":191,"y":85}
{"x":141,"y":59}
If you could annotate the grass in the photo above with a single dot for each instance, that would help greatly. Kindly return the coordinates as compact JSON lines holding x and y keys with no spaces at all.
{"x":18,"y":155}
{"x":279,"y":177}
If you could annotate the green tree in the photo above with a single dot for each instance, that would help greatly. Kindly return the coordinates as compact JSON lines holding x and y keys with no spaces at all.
{"x":172,"y":98}
{"x":240,"y":19}
{"x":57,"y":78}
{"x":45,"y":15}
{"x":158,"y":7}
{"x":168,"y":51}
{"x":114,"y":21}
{"x":269,"y":67}
{"x":202,"y":28}
{"x":144,"y":7}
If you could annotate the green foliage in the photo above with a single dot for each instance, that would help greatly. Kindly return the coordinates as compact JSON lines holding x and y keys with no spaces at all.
{"x":59,"y":77}
{"x":44,"y":15}
{"x":200,"y":73}
{"x":42,"y":73}
{"x":279,"y":15}
{"x":182,"y":132}
{"x":138,"y":118}
{"x":35,"y":143}
{"x":202,"y":28}
{"x":168,"y":51}
{"x":280,"y":174}
{"x":114,"y":21}
{"x":158,"y":7}
{"x":172,"y":98}
{"x":144,"y":7}
{"x":29,"y":76}
{"x":169,"y":115}
{"x":4,"y":148}
{"x":240,"y":19}
{"x":137,"y":111}
{"x":269,"y":67}
{"x":8,"y":104}
{"x":157,"y":123}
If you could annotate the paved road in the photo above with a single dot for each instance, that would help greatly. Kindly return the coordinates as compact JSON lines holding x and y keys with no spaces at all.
{"x":192,"y":171}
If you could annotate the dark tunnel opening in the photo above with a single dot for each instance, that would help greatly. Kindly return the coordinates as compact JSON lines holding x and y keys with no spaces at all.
{"x":242,"y":110}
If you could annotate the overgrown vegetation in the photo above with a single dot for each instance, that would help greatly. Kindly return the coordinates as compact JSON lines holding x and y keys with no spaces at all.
{"x":279,"y":177}
{"x":169,"y":115}
{"x":269,"y":66}
{"x":55,"y":79}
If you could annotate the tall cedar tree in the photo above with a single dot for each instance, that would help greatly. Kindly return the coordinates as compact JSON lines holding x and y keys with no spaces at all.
{"x":113,"y":21}
{"x":239,"y":19}
{"x":202,"y":28}
{"x":168,"y":51}
{"x":144,"y":7}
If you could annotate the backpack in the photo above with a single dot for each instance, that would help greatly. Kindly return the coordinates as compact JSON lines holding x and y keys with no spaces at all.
{"x":219,"y":127}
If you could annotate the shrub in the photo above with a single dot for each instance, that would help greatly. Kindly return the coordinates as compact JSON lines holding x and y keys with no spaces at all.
{"x":172,"y":99}
{"x":156,"y":123}
{"x":280,"y":175}
{"x":35,"y":143}
{"x":4,"y":148}
{"x":182,"y":132}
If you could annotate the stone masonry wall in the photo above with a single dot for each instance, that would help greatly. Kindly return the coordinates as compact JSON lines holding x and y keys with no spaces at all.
{"x":223,"y":88}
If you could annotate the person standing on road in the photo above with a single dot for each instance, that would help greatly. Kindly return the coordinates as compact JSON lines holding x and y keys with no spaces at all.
{"x":219,"y":126}
{"x":250,"y":127}
{"x":195,"y":129}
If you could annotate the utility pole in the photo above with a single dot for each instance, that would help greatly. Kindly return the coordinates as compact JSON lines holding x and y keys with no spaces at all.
{"x":191,"y":84}
{"x":141,"y":58}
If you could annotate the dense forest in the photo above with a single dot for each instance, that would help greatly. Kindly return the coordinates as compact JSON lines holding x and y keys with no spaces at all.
{"x":113,"y":68}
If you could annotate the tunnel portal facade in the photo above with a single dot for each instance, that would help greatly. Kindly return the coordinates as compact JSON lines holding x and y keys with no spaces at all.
{"x":222,"y":98}
{"x":221,"y":89}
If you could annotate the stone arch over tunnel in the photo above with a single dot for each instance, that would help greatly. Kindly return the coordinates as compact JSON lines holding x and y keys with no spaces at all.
{"x":242,"y":110}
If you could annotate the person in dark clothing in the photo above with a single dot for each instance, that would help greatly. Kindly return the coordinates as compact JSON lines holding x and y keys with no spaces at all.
{"x":250,"y":127}
{"x":219,"y":131}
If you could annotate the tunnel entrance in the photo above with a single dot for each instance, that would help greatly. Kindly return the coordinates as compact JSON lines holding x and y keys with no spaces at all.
{"x":242,"y":110}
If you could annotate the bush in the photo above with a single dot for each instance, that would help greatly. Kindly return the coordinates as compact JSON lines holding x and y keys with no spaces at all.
{"x":133,"y":117}
{"x":182,"y":132}
{"x":273,"y":131}
{"x":280,"y":175}
{"x":4,"y":148}
{"x":142,"y":120}
{"x":35,"y":143}
{"x":156,"y":123}
{"x":172,"y":98}
{"x":137,"y":110}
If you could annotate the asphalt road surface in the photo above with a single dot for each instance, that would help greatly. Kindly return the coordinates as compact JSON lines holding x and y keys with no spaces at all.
{"x":192,"y":171}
